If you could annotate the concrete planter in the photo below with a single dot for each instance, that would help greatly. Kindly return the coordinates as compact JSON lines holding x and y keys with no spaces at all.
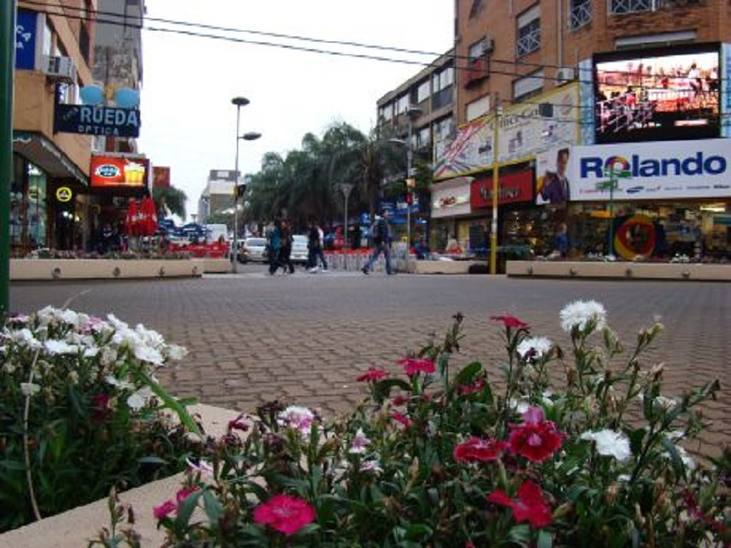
{"x":443,"y":267}
{"x":215,"y":266}
{"x":620,"y":270}
{"x":75,"y":527}
{"x":79,"y":269}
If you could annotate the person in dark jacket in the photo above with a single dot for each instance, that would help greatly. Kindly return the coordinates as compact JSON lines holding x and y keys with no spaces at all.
{"x":274,"y":246}
{"x":382,"y":237}
{"x":314,"y":246}
{"x":285,"y":251}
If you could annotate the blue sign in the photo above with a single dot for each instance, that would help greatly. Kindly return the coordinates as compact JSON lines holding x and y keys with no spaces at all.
{"x":25,"y":40}
{"x":93,"y":120}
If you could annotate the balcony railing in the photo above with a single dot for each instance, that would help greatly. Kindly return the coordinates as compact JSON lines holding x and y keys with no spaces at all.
{"x":442,"y":98}
{"x":529,"y":42}
{"x":621,"y":7}
{"x":477,"y":70}
{"x":580,"y":14}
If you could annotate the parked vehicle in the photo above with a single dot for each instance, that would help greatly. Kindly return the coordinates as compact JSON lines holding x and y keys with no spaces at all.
{"x":300,"y":253}
{"x":253,"y":249}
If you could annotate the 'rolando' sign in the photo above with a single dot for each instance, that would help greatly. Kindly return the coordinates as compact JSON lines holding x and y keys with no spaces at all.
{"x":97,"y":120}
{"x":654,"y":170}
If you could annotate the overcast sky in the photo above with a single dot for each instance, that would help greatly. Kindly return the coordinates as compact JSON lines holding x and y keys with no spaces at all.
{"x":188,"y":120}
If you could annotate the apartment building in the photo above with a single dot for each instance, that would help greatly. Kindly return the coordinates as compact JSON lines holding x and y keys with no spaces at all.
{"x":54,"y":56}
{"x":218,"y":195}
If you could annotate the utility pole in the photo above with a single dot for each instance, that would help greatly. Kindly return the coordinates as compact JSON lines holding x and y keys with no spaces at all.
{"x":7,"y":65}
{"x":495,"y":188}
{"x":611,"y":185}
{"x":346,"y":189}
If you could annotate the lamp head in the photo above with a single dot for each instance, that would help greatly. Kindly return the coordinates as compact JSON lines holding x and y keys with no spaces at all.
{"x":240,"y":101}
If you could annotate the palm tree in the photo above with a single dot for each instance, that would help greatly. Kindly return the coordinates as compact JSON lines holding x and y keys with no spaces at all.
{"x":170,"y":198}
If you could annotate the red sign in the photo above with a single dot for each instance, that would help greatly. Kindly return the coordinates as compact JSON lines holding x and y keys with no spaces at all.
{"x":160,"y":177}
{"x":514,"y":187}
{"x":116,"y":171}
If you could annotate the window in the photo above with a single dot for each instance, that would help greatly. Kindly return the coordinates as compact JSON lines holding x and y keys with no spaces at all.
{"x":476,"y":51}
{"x":477,"y":108}
{"x":528,"y":86}
{"x":443,"y":128}
{"x":47,"y":38}
{"x":423,"y":91}
{"x":387,"y":111}
{"x":655,"y":40}
{"x":402,"y":105}
{"x":423,"y":137}
{"x":442,"y":79}
{"x":529,"y":31}
{"x":579,"y":13}
{"x":618,"y":7}
{"x":475,"y":8}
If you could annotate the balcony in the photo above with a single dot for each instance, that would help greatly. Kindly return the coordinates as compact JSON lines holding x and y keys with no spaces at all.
{"x":477,"y":71}
{"x":442,"y":98}
{"x":622,"y":7}
{"x":580,"y":14}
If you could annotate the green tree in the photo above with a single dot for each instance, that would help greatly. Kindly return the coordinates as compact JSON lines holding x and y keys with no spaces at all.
{"x":171,"y":198}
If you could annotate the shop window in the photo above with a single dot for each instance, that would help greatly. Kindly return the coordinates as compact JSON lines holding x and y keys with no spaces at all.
{"x":28,"y":206}
{"x":529,"y":31}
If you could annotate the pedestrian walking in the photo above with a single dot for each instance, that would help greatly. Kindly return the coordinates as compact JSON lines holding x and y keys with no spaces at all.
{"x":274,"y":246}
{"x":285,"y":250}
{"x":382,"y":237}
{"x":315,"y":238}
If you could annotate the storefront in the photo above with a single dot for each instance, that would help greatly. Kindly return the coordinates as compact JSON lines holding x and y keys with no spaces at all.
{"x":670,"y":199}
{"x":450,"y":213}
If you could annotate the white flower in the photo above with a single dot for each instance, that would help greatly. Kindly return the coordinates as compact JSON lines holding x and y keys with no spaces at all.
{"x":666,"y":403}
{"x":148,"y":354}
{"x":116,"y":323}
{"x":91,"y":352}
{"x":624,"y":478}
{"x":580,"y":313}
{"x":29,"y":388}
{"x":108,"y":357}
{"x":610,"y":443}
{"x":70,"y":317}
{"x":519,"y":406}
{"x":55,"y":347}
{"x":176,"y":352}
{"x":534,"y":348}
{"x":203,"y":467}
{"x":371,"y":465}
{"x":139,"y":399}
{"x":122,"y":385}
{"x":359,"y":443}
{"x":688,"y":461}
{"x":150,"y":336}
{"x":24,"y":337}
{"x":299,"y":418}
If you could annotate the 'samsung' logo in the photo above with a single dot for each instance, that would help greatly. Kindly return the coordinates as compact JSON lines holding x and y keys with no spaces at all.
{"x":698,"y":164}
{"x":108,"y":171}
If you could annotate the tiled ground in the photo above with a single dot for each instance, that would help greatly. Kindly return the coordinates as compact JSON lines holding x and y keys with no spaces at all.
{"x":305,"y":337}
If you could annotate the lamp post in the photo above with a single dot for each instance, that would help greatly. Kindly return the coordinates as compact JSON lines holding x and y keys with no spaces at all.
{"x":412,"y":114}
{"x":251,"y":136}
{"x":495,"y":189}
{"x":346,"y":189}
{"x":7,"y":63}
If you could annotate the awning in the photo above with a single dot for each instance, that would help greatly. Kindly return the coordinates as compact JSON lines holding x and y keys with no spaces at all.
{"x":47,"y":156}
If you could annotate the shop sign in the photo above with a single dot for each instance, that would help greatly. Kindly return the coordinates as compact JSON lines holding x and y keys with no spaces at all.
{"x":469,"y":152}
{"x":655,"y":170}
{"x":64,"y":194}
{"x":726,"y":91}
{"x":160,"y":177}
{"x":513,"y":188}
{"x":118,"y":172}
{"x":26,"y":26}
{"x":451,"y":198}
{"x":97,"y":120}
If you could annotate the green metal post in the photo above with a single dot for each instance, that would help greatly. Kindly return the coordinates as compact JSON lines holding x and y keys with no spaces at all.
{"x":612,"y":185}
{"x":7,"y":65}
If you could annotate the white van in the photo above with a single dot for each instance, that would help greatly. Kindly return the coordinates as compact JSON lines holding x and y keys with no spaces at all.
{"x":216,"y":231}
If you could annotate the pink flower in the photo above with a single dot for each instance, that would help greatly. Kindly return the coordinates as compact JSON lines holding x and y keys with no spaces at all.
{"x":373,"y":374}
{"x":184,"y":493}
{"x":398,"y":400}
{"x":477,"y":449}
{"x":530,"y":505}
{"x":238,"y":424}
{"x":100,"y":407}
{"x":414,"y":366}
{"x":510,"y":322}
{"x":401,"y":418}
{"x":285,"y":513}
{"x":467,"y":389}
{"x":536,"y":439}
{"x":164,"y":510}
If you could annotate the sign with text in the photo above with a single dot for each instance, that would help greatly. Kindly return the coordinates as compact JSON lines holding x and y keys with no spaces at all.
{"x":96,"y":120}
{"x":469,"y":152}
{"x":118,"y":172}
{"x":26,"y":26}
{"x":513,"y":188}
{"x":647,"y":171}
{"x":160,"y":177}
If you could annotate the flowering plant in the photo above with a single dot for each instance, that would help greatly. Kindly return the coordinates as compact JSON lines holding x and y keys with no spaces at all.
{"x":564,"y":450}
{"x":81,"y":411}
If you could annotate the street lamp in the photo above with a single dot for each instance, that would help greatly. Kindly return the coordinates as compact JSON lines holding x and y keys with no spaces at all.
{"x":250,"y":136}
{"x":412,"y":114}
{"x":346,"y":189}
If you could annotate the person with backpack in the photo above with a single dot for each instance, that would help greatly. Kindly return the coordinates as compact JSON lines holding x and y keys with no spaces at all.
{"x":381,"y":233}
{"x":314,"y":246}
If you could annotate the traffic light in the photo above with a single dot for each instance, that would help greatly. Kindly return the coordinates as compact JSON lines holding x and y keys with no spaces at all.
{"x":240,"y":191}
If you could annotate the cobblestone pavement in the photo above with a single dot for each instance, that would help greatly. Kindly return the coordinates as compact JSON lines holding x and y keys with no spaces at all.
{"x":304,"y":338}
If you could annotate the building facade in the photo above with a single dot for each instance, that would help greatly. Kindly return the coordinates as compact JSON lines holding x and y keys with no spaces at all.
{"x":566,"y":84}
{"x":54,"y":56}
{"x":218,"y":195}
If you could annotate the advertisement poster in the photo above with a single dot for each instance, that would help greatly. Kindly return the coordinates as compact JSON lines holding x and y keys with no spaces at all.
{"x":552,"y":182}
{"x":726,"y":91}
{"x":650,"y":171}
{"x":160,"y":177}
{"x":118,"y":172}
{"x":586,"y":100}
{"x":471,"y":151}
{"x":451,"y":198}
{"x":513,"y":188}
{"x":547,"y":121}
{"x":658,"y":94}
{"x":25,"y":39}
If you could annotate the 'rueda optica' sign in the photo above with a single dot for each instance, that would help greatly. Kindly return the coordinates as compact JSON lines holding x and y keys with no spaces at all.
{"x":654,"y":170}
{"x":97,"y":120}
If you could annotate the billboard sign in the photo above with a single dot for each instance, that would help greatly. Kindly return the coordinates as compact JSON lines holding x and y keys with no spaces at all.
{"x":451,"y":198}
{"x":97,"y":120}
{"x":513,"y":188}
{"x":661,"y":94}
{"x":26,"y":27}
{"x":552,"y":182}
{"x":160,"y":177}
{"x":649,"y":171}
{"x":469,"y":152}
{"x":119,"y":172}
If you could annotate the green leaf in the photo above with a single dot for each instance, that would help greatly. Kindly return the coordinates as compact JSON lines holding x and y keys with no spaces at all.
{"x":385,"y":386}
{"x":417,"y":530}
{"x":545,"y":539}
{"x":467,"y":374}
{"x":678,"y":465}
{"x":170,"y":402}
{"x":520,"y":534}
{"x":635,"y":440}
{"x":12,"y":464}
{"x":152,"y":460}
{"x":185,"y":510}
{"x":212,"y":506}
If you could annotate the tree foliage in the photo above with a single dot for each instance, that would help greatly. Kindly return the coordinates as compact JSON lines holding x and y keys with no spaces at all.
{"x":171,"y":198}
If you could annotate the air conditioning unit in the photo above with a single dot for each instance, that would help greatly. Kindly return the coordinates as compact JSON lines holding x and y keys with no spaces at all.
{"x":60,"y":68}
{"x":565,"y":75}
{"x":489,"y":44}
